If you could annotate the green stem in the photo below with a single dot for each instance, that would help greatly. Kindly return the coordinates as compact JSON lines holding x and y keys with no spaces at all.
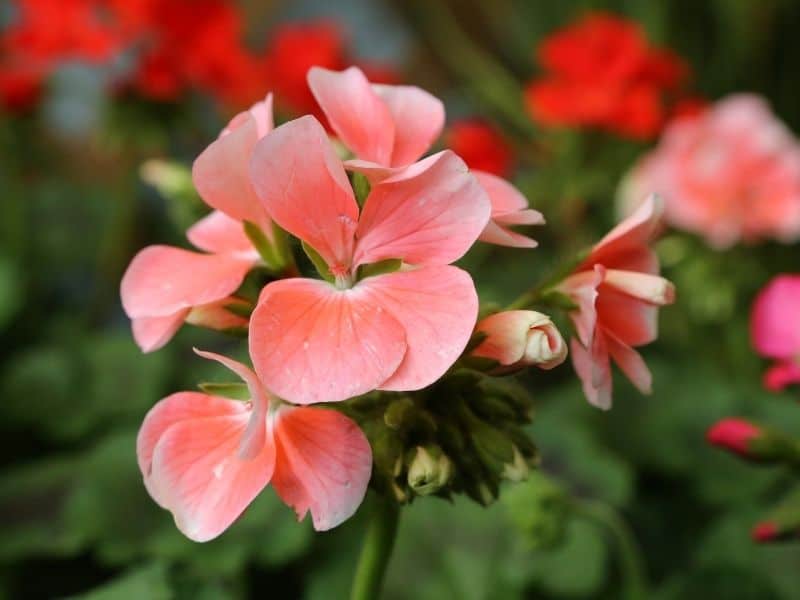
{"x":630,"y":556}
{"x":376,"y":551}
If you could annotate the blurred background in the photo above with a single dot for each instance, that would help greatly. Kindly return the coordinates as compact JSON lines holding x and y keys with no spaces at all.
{"x":103,"y":106}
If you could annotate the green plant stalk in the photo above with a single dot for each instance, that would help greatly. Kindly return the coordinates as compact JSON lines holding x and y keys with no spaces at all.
{"x":632,"y":566}
{"x":376,"y":551}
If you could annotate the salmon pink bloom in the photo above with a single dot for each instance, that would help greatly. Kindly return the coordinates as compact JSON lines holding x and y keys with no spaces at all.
{"x":727,"y":173}
{"x":165,"y":286}
{"x":389,"y":127}
{"x":617,"y":292}
{"x":775,"y":330}
{"x":314,"y":341}
{"x":205,"y":458}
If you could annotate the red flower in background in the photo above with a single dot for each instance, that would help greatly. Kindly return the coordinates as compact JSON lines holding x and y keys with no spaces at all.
{"x":481,"y":146}
{"x":602,"y":73}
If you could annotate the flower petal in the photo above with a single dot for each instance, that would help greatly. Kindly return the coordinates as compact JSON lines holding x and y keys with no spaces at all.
{"x":311,"y":343}
{"x":179,"y":407}
{"x":438,"y":307}
{"x":217,"y":233}
{"x":151,"y":333}
{"x":631,"y":363}
{"x":582,"y":289}
{"x":324,"y":464}
{"x":304,"y":188}
{"x":782,"y":374}
{"x":647,"y":288}
{"x":202,"y":479}
{"x":775,"y":320}
{"x":594,"y":373}
{"x":631,"y":320}
{"x":221,"y":174}
{"x":161,"y":280}
{"x":493,"y":233}
{"x":431,"y":213}
{"x":356,"y":113}
{"x":418,"y":120}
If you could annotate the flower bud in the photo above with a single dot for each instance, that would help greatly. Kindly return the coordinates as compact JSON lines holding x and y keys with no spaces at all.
{"x":517,"y":470}
{"x":517,"y":339}
{"x":430,"y":470}
{"x":753,"y":442}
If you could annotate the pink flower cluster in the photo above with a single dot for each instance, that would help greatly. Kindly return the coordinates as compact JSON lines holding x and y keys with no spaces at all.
{"x":728,"y":173}
{"x":391,"y":314}
{"x":775,"y":330}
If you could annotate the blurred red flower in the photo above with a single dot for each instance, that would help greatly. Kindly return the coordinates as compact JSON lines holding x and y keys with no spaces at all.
{"x":601,"y":72}
{"x":481,"y":146}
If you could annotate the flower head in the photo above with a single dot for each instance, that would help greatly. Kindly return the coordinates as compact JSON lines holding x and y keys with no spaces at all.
{"x":775,"y":329}
{"x":617,"y":292}
{"x":729,"y":172}
{"x":314,"y":341}
{"x":205,"y":458}
{"x":481,"y":146}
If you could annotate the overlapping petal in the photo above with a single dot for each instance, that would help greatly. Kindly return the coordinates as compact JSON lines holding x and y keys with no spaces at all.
{"x":218,"y":233}
{"x":151,"y":333}
{"x":509,"y":207}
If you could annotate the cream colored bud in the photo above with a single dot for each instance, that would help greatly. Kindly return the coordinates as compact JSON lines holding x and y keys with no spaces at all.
{"x":430,"y":470}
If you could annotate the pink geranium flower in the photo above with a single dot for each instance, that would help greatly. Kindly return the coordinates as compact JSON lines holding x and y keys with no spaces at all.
{"x":205,"y":458}
{"x":775,"y":329}
{"x":617,"y":291}
{"x":729,"y":172}
{"x":389,"y":127}
{"x":164,"y":286}
{"x":313,"y":341}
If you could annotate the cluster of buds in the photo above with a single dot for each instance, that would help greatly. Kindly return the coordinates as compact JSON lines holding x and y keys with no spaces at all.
{"x":764,"y":445}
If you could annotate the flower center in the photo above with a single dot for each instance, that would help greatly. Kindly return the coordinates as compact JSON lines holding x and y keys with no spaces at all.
{"x":343,"y":278}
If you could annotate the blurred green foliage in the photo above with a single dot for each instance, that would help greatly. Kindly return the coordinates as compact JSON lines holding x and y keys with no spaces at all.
{"x":76,"y":520}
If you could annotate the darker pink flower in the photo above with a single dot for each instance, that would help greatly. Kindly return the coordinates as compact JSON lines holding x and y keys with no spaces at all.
{"x":314,"y":341}
{"x":775,"y":329}
{"x":165,"y":286}
{"x":389,"y":127}
{"x":729,"y":172}
{"x":734,"y":435}
{"x":617,"y":292}
{"x":205,"y":458}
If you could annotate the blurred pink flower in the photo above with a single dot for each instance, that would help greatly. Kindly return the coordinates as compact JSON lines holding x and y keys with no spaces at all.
{"x":734,"y":434}
{"x":730,"y":172}
{"x":389,"y":127}
{"x":617,"y":292}
{"x":165,"y":286}
{"x":311,"y":341}
{"x":205,"y":458}
{"x":775,"y":329}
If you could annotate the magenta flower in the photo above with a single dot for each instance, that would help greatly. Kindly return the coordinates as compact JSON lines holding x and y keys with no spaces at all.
{"x":775,"y":330}
{"x":314,"y":341}
{"x":205,"y":458}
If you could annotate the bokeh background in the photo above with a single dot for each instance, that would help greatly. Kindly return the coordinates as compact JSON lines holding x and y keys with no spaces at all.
{"x":76,"y":204}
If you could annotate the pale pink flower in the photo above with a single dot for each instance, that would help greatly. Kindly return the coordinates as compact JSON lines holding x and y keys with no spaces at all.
{"x":389,"y":127}
{"x":312,"y":341}
{"x":617,"y":292}
{"x":164,"y":286}
{"x":730,"y":172}
{"x":775,"y":329}
{"x":205,"y":458}
{"x":520,"y":338}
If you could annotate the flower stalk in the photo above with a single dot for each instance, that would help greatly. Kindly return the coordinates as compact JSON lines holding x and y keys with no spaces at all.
{"x":376,"y":550}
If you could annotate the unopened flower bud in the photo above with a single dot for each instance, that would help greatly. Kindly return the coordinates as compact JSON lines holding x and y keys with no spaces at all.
{"x":223,"y":315}
{"x":430,"y":470}
{"x":517,"y":339}
{"x":753,"y":442}
{"x":517,"y":469}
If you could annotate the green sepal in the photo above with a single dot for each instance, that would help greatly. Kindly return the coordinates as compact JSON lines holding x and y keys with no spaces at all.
{"x":234,"y":391}
{"x":318,"y":262}
{"x":266,"y":249}
{"x":361,"y":187}
{"x":240,"y":309}
{"x":390,"y":265}
{"x":556,"y":299}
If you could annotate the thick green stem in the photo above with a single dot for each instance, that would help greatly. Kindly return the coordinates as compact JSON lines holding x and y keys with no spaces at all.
{"x":376,"y":551}
{"x":632,"y":566}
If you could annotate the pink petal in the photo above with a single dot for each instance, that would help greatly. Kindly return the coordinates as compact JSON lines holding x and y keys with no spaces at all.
{"x":304,"y":188}
{"x":152,"y":333}
{"x":162,"y":280}
{"x":626,"y":246}
{"x":217,"y":315}
{"x":782,"y":374}
{"x":374,"y":172}
{"x":632,"y":321}
{"x":217,"y":233}
{"x":356,"y":113}
{"x":179,"y":407}
{"x":648,"y":288}
{"x":582,"y":290}
{"x":775,"y":320}
{"x":438,"y":307}
{"x":324,"y":464}
{"x":311,"y":343}
{"x":431,"y":213}
{"x":502,"y":236}
{"x":418,"y":120}
{"x":201,"y":478}
{"x":505,"y":198}
{"x":221,"y":174}
{"x":631,"y":363}
{"x":594,"y":373}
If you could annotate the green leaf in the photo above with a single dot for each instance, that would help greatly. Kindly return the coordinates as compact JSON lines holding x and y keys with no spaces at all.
{"x":319,"y":263}
{"x":390,"y":265}
{"x":149,"y":582}
{"x":234,"y":391}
